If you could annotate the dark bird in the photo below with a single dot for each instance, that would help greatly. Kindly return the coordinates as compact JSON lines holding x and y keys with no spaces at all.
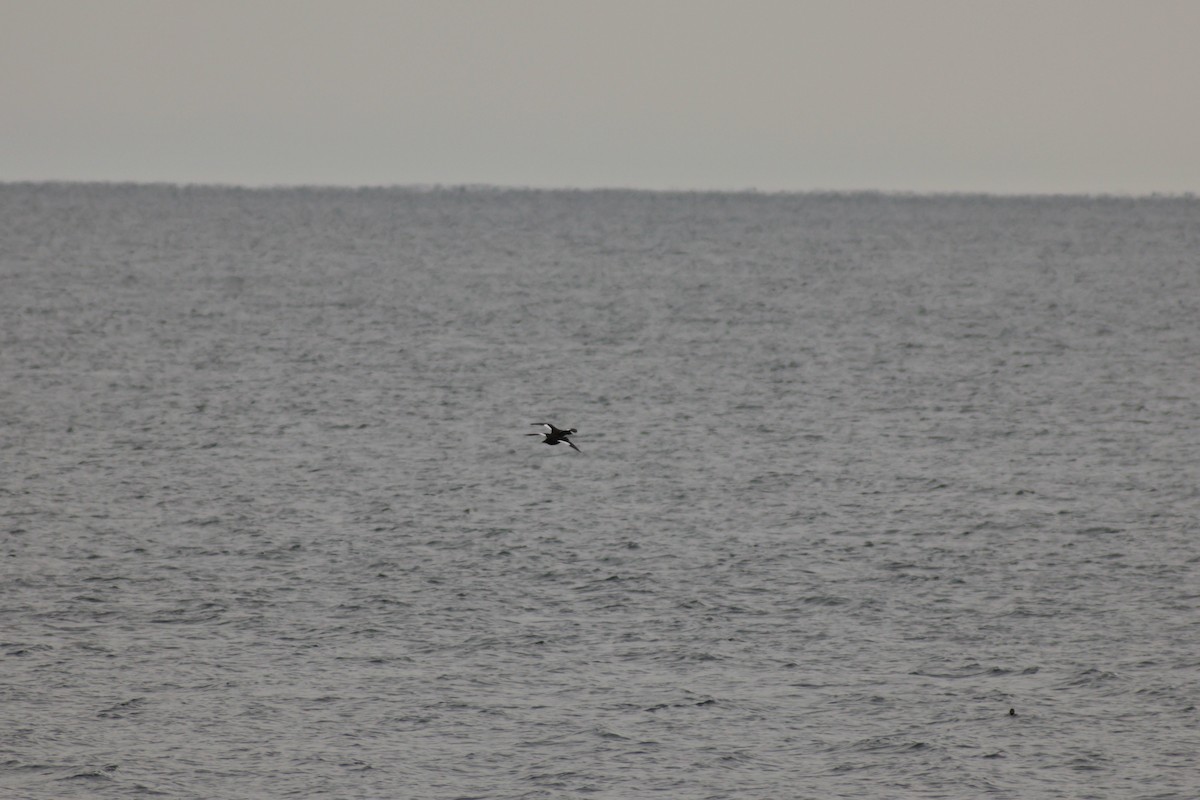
{"x":553,"y":435}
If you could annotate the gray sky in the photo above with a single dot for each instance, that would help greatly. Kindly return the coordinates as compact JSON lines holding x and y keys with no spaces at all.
{"x":1006,"y":96}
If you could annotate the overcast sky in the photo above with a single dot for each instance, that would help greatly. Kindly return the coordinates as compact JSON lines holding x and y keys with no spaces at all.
{"x":1006,"y":96}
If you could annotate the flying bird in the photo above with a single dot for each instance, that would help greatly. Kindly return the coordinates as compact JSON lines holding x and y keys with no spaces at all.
{"x":552,"y":435}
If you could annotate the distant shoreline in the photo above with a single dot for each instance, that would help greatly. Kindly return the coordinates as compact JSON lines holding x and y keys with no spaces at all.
{"x":494,"y":189}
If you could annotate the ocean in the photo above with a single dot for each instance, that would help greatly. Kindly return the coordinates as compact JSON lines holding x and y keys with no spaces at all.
{"x":879,"y":496}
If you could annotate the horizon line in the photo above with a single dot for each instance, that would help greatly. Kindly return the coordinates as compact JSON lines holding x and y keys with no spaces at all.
{"x":530,"y":188}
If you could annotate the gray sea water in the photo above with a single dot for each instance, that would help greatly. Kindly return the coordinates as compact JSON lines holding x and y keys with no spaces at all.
{"x":859,"y":474}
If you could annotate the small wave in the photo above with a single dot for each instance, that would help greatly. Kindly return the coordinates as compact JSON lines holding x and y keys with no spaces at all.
{"x":126,"y":709}
{"x":103,"y":773}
